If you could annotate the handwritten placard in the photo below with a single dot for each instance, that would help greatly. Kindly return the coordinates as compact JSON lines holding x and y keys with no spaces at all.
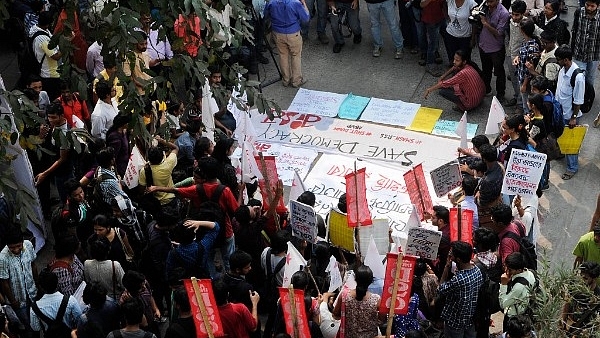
{"x":380,"y":232}
{"x":423,"y":242}
{"x":523,"y":172}
{"x":316,"y":102}
{"x":353,"y":106}
{"x":446,"y":178}
{"x":303,"y":220}
{"x":571,"y":139}
{"x":288,"y":160}
{"x":448,"y":129}
{"x":425,"y":119}
{"x":394,"y":112}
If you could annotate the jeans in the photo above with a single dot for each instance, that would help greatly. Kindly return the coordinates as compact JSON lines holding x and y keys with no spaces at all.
{"x":321,"y":16}
{"x":514,"y":79}
{"x":493,"y":62}
{"x":453,"y":44}
{"x":431,"y":36}
{"x":448,"y":94}
{"x":407,"y":25}
{"x":388,"y":8}
{"x":290,"y":48}
{"x":572,"y":160}
{"x":353,"y":21}
{"x":467,"y":332}
{"x":590,"y":67}
{"x":226,"y":249}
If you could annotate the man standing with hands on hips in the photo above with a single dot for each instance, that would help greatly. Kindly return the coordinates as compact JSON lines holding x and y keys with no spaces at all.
{"x":286,"y":18}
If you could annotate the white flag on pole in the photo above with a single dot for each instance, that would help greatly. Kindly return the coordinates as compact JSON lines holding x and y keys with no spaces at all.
{"x":413,"y":220}
{"x":335,"y":277}
{"x":293,"y":262}
{"x":373,"y":260}
{"x":461,"y":130}
{"x":495,"y":117}
{"x":249,"y":167}
{"x":297,"y":187}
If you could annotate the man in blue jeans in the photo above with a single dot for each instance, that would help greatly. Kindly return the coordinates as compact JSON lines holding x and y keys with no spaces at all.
{"x":570,"y":98}
{"x":388,"y":9}
{"x":340,"y":8}
{"x":321,"y":6}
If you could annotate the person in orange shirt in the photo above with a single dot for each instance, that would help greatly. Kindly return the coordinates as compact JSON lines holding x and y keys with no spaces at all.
{"x":76,"y":109}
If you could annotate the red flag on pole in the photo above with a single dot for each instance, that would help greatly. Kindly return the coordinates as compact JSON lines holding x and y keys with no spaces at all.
{"x":268,"y":185}
{"x":356,"y":199}
{"x":204,"y":308}
{"x":461,"y":229}
{"x":405,"y":278}
{"x":416,"y":185}
{"x":294,"y":312}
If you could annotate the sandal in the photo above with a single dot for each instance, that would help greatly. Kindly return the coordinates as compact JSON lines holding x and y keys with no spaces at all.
{"x":567,"y":176}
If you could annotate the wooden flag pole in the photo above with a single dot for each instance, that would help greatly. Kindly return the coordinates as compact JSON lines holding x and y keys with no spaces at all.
{"x":271,"y":199}
{"x":307,"y":270}
{"x":356,"y":232}
{"x":293,"y":311}
{"x":419,"y":191}
{"x":202,"y":306}
{"x":388,"y":329}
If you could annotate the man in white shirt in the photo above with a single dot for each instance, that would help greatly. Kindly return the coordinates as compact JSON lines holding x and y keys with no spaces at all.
{"x":105,"y":110}
{"x":94,"y":61}
{"x":48,"y":58}
{"x":570,"y":98}
{"x":159,"y":49}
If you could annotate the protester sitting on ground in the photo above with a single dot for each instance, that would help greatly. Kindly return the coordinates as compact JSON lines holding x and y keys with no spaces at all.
{"x":361,"y":306}
{"x":515,"y":285}
{"x":463,"y":86}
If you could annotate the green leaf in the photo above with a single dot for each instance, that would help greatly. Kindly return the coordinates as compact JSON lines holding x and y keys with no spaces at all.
{"x":8,"y":182}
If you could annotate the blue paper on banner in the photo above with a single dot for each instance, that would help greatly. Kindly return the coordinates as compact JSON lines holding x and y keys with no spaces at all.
{"x":353,"y":106}
{"x":448,"y":129}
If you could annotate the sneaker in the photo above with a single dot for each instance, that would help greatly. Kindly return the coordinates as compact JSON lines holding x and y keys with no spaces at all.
{"x":511,"y":103}
{"x":357,"y":39}
{"x":303,"y":82}
{"x":377,"y":51}
{"x":262,"y":59}
{"x":337,"y":47}
{"x":323,"y":38}
{"x":399,"y":54}
{"x":597,"y":121}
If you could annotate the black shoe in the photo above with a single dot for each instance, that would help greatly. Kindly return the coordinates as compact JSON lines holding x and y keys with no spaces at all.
{"x":337,"y":47}
{"x":262,"y":59}
{"x":438,"y":58}
{"x":357,"y":38}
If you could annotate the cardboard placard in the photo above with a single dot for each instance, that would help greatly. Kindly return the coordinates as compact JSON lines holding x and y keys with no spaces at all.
{"x":423,"y":242}
{"x":463,"y":230}
{"x":416,"y":186}
{"x":294,"y":312}
{"x":356,"y":199}
{"x":204,"y":308}
{"x":446,"y":178}
{"x":571,"y":139}
{"x":404,"y":284}
{"x":394,"y":112}
{"x":523,"y":172}
{"x":303,"y":221}
{"x":340,"y":234}
{"x":353,"y":106}
{"x":316,"y":102}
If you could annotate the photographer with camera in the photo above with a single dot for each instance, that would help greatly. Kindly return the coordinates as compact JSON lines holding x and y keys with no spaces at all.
{"x":339,"y":9}
{"x":529,"y":52}
{"x":491,"y":46}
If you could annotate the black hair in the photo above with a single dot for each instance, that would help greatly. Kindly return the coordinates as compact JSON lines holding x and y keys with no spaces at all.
{"x":537,"y":100}
{"x":442,"y":213}
{"x":90,"y":329}
{"x":478,"y":165}
{"x":94,"y":295}
{"x":221,"y":148}
{"x":133,"y":310}
{"x":548,"y":35}
{"x":103,"y":89}
{"x":109,"y":61}
{"x":100,"y":249}
{"x":105,"y":157}
{"x":119,"y":121}
{"x":220,"y":291}
{"x":517,"y":122}
{"x":462,"y":251}
{"x":71,"y":185}
{"x":155,"y":155}
{"x":415,"y":334}
{"x":342,"y":203}
{"x":591,"y":269}
{"x":183,"y":234}
{"x":420,"y":268}
{"x":193,"y":126}
{"x":469,"y":184}
{"x":55,"y":108}
{"x":14,"y":235}
{"x":299,"y":280}
{"x":485,"y":240}
{"x":308,"y":198}
{"x":48,"y":281}
{"x":103,"y":221}
{"x":180,"y":297}
{"x":64,"y":85}
{"x":239,"y":259}
{"x":33,"y":78}
{"x":44,"y":19}
{"x":242,"y":215}
{"x":208,"y":168}
{"x":519,"y":6}
{"x":515,"y":261}
{"x":463,"y":55}
{"x":132,"y":281}
{"x":555,"y":5}
{"x":202,"y":147}
{"x":518,"y":326}
{"x":279,"y":242}
{"x":364,"y":277}
{"x":66,"y":246}
{"x":564,"y":52}
{"x":479,"y":140}
{"x":540,"y":82}
{"x":31,"y":94}
{"x":527,"y":26}
{"x":488,"y":153}
{"x":502,"y":214}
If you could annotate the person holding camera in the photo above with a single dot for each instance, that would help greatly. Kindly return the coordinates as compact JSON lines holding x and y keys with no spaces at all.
{"x":340,"y":8}
{"x":529,"y":53}
{"x":491,"y":46}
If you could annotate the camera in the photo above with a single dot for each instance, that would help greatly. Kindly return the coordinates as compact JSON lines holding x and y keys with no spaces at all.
{"x":478,"y":12}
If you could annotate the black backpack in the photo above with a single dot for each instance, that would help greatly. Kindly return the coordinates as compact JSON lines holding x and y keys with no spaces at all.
{"x":527,"y":248}
{"x":488,"y":302}
{"x":210,"y":209}
{"x":29,"y":64}
{"x":56,"y":327}
{"x":590,"y":94}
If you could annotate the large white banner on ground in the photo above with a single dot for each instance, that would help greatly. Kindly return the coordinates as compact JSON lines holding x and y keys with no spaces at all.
{"x":356,"y":139}
{"x":386,"y":191}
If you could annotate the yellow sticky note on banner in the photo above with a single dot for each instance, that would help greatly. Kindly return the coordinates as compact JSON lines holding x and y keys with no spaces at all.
{"x":425,"y":119}
{"x":571,"y":139}
{"x":340,"y":234}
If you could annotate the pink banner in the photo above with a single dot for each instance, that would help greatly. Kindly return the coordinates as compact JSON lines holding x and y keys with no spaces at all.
{"x":416,"y":185}
{"x":404,"y":284}
{"x":356,"y":199}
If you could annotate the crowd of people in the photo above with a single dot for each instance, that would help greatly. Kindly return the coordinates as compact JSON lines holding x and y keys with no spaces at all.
{"x":190,"y":215}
